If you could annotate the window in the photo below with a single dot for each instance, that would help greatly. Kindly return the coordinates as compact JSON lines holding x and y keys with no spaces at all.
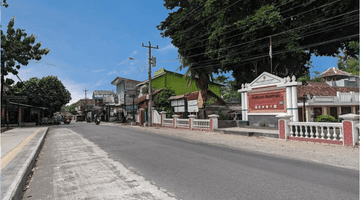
{"x":345,"y":110}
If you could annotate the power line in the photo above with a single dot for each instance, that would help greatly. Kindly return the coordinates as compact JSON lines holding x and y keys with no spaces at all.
{"x":250,"y":24}
{"x":279,"y":52}
{"x":273,"y":35}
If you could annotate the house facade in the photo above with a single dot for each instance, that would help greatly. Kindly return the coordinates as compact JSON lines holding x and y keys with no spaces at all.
{"x":336,"y":95}
{"x":106,"y":100}
{"x":178,"y":82}
{"x":83,"y":106}
{"x":126,"y":92}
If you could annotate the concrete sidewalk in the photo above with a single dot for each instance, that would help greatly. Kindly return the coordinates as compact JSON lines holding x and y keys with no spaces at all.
{"x":19,"y":150}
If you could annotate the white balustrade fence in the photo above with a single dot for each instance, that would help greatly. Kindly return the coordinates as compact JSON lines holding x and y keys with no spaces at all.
{"x":317,"y":130}
{"x":182,"y":123}
{"x":168,"y":122}
{"x":156,"y":117}
{"x":201,"y":123}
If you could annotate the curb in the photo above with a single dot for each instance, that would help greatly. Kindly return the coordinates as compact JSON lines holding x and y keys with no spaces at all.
{"x":15,"y":191}
{"x":248,"y":133}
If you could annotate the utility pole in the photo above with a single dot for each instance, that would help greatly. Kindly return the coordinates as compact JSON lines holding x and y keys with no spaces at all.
{"x":150,"y":93}
{"x":85,"y":103}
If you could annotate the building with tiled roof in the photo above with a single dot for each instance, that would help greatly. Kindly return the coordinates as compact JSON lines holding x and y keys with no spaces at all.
{"x":323,"y":98}
{"x":268,"y":96}
{"x":336,"y":77}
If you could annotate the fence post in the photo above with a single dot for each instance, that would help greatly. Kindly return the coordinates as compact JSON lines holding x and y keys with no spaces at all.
{"x":191,"y":121}
{"x":283,"y":124}
{"x":163,"y":116}
{"x":175,"y":117}
{"x":351,"y":135}
{"x":213,"y":122}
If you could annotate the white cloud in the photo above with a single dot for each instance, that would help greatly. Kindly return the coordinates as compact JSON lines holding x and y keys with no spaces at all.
{"x":97,"y":71}
{"x":123,"y":62}
{"x":168,"y":47}
{"x":135,"y":52}
{"x":112,"y":72}
{"x":126,"y":72}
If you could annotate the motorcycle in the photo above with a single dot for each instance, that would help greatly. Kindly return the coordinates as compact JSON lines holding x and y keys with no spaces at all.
{"x":67,"y":120}
{"x":97,"y":121}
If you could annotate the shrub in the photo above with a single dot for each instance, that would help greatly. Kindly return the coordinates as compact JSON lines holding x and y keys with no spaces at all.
{"x":326,"y":118}
{"x":221,"y":114}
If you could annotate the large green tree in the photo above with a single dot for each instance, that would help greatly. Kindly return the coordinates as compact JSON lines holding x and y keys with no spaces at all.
{"x":163,"y":103}
{"x":234,"y":36}
{"x":45,"y":92}
{"x":349,"y":63}
{"x":16,"y":50}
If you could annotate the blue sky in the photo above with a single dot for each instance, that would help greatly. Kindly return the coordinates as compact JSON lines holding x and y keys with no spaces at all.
{"x":90,"y":41}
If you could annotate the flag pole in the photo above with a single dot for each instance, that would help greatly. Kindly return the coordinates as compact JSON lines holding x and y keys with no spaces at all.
{"x":270,"y":54}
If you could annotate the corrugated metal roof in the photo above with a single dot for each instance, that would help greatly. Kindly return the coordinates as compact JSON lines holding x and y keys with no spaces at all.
{"x":102,"y":92}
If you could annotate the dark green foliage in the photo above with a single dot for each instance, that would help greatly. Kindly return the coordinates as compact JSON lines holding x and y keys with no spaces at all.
{"x":234,"y":36}
{"x":229,"y":92}
{"x":70,"y":109}
{"x":222,"y":116}
{"x":306,"y":78}
{"x":16,"y":50}
{"x":163,"y":103}
{"x":349,"y":63}
{"x":45,"y":92}
{"x":326,"y":118}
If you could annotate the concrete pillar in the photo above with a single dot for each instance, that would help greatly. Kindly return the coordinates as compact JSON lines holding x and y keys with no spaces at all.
{"x":294,"y":104}
{"x":191,"y":121}
{"x":289,"y":107}
{"x":324,"y":110}
{"x":338,"y":111}
{"x":353,"y":109}
{"x":20,"y":116}
{"x":243,"y":107}
{"x":350,"y":129}
{"x":175,"y":117}
{"x":246,"y":106}
{"x":163,"y":116}
{"x":214,"y":122}
{"x":283,"y":124}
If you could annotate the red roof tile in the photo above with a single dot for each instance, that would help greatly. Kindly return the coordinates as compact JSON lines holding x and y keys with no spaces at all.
{"x":333,"y":72}
{"x":320,"y":89}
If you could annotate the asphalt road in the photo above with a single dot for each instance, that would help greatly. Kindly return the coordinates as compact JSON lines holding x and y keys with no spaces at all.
{"x":192,"y":170}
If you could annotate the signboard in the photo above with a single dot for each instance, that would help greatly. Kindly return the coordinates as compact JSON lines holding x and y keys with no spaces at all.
{"x":267,"y":102}
{"x":193,"y":106}
{"x":193,"y":103}
{"x":179,"y":109}
{"x":180,"y":102}
{"x":173,"y":103}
